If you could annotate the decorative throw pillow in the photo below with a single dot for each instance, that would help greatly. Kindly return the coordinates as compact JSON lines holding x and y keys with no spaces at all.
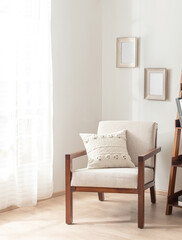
{"x":107,"y":150}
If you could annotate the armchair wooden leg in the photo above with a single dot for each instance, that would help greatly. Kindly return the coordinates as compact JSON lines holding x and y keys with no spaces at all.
{"x":69,"y":206}
{"x":141,"y":209}
{"x":141,"y":193}
{"x":69,"y":193}
{"x":101,"y":196}
{"x":153,"y":194}
{"x":172,"y":181}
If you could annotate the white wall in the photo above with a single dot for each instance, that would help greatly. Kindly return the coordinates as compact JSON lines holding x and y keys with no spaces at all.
{"x":158,"y":25}
{"x":84,"y":36}
{"x":76,"y":46}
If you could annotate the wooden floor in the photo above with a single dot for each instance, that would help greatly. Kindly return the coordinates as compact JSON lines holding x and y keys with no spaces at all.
{"x":115,"y":218}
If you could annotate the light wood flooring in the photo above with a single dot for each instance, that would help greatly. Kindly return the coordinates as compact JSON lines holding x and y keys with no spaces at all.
{"x":113,"y":219}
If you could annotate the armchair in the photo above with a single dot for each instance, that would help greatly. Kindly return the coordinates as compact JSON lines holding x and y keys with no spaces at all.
{"x":141,"y":138}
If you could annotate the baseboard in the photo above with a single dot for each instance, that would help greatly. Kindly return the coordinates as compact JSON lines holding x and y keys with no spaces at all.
{"x":159,"y":192}
{"x":55,"y":194}
{"x":8,"y":209}
{"x":58,"y":194}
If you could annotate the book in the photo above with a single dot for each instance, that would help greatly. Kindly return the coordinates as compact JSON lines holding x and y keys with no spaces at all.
{"x":180,"y":200}
{"x":179,"y":107}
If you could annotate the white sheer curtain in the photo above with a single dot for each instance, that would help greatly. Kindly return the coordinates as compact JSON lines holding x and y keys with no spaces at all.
{"x":25,"y":102}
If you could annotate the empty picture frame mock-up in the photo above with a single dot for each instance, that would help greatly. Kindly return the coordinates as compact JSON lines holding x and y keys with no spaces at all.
{"x":126,"y":55}
{"x":155,"y":83}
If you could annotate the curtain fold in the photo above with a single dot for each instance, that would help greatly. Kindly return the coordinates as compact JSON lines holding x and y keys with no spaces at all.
{"x":26,"y":141}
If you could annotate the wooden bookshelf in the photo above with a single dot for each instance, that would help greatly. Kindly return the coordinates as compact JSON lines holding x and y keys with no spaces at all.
{"x":176,"y":161}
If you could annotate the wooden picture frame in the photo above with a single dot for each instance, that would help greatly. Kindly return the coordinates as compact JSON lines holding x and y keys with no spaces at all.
{"x":126,"y":55}
{"x":155,"y":83}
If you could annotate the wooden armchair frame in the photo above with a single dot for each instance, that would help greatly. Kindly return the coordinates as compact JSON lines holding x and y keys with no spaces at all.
{"x":140,"y":190}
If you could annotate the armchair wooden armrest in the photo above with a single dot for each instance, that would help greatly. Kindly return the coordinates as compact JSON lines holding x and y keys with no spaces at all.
{"x":75,"y":154}
{"x":149,"y":154}
{"x":142,"y":186}
{"x":69,"y":157}
{"x":68,"y":175}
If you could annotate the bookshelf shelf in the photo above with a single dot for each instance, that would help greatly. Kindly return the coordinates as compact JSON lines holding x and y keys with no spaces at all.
{"x":177,"y":124}
{"x":177,"y":165}
{"x":175,"y":204}
{"x":172,"y":199}
{"x":177,"y":161}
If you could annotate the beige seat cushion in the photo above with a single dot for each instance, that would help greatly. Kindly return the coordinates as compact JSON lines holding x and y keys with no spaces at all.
{"x":109,"y":177}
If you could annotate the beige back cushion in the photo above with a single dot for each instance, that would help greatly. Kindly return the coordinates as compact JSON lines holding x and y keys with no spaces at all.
{"x":141,"y":137}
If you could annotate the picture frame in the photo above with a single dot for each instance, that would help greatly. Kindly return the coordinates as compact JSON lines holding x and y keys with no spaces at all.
{"x":155,"y":83}
{"x":126,"y":52}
